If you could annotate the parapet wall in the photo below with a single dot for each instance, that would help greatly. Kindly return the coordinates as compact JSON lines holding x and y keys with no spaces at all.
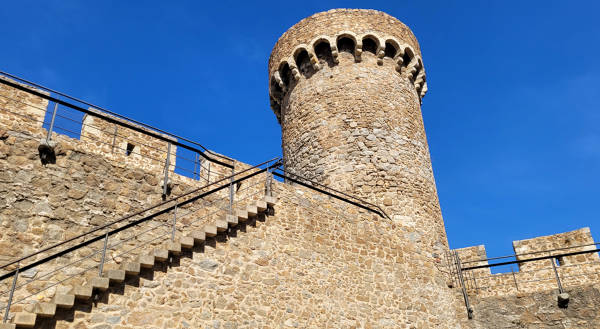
{"x":534,"y":276}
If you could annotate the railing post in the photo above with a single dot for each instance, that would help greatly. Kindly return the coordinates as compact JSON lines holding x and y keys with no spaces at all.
{"x":49,"y":136}
{"x":112,"y":150}
{"x":174,"y":223}
{"x":268,"y":179}
{"x":208,"y":175}
{"x":514,"y":278}
{"x":103,"y":255}
{"x":10,"y":296}
{"x":560,"y":287}
{"x":231,"y":194}
{"x":462,"y":283}
{"x":196,"y":166}
{"x":167,"y":164}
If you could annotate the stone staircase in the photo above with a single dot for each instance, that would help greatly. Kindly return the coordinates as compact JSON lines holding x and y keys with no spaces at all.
{"x":85,"y":292}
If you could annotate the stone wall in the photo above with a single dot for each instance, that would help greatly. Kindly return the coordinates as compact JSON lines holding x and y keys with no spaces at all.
{"x":534,"y":276}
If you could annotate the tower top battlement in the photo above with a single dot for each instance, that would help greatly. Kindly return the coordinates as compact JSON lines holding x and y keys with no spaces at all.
{"x":318,"y":40}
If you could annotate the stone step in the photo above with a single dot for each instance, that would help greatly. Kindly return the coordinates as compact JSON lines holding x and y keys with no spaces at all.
{"x":131,"y":268}
{"x":45,"y":310}
{"x":261,"y":205}
{"x":198,"y":236}
{"x":161,"y":255}
{"x":25,"y":319}
{"x":252,"y":210}
{"x":8,"y":326}
{"x":242,"y":215}
{"x":231,"y":220}
{"x":64,"y":300}
{"x":186,"y":242}
{"x":221,"y":225}
{"x":174,"y":247}
{"x":270,"y":200}
{"x":83,"y":292}
{"x":115,"y":275}
{"x":146,"y":261}
{"x":210,"y":230}
{"x":100,"y":283}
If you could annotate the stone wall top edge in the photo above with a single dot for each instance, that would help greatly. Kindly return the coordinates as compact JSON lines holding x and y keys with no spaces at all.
{"x":557,"y":236}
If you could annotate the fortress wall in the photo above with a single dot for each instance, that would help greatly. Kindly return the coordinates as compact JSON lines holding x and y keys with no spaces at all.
{"x":85,"y":188}
{"x":535,"y":276}
{"x":315,"y":262}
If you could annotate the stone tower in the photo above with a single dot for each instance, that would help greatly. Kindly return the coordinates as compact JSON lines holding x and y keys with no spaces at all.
{"x":346,"y":86}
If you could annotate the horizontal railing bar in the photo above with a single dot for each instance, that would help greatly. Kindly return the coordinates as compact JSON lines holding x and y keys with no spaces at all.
{"x":118,"y":122}
{"x":531,"y":253}
{"x":381,"y":212}
{"x":328,"y":193}
{"x":519,"y":261}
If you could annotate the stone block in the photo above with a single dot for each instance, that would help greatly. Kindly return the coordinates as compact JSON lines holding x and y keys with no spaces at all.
{"x":252,"y":210}
{"x":100,"y":283}
{"x":210,"y":230}
{"x":198,"y":236}
{"x":115,"y":275}
{"x":45,"y":310}
{"x":161,"y":255}
{"x":187,"y":242}
{"x":25,"y":319}
{"x":221,"y":225}
{"x":64,"y":300}
{"x":146,"y":261}
{"x":82,"y":292}
{"x":131,"y":268}
{"x":174,"y":247}
{"x":8,"y":326}
{"x":242,"y":215}
{"x":232,"y":220}
{"x":270,"y":200}
{"x":261,"y":206}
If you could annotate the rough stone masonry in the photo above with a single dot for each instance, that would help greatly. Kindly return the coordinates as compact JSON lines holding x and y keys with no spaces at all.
{"x":346,"y":86}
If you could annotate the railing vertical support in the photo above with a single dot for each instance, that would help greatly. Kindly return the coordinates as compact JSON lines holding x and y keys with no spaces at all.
{"x":10,"y":296}
{"x":101,"y":268}
{"x":514,"y":278}
{"x":174,"y":223}
{"x":462,"y":283}
{"x":268,"y":179}
{"x":231,"y":194}
{"x":167,"y":164}
{"x":49,"y":136}
{"x":208,"y":175}
{"x":560,"y":287}
{"x":112,"y":149}
{"x":196,"y":175}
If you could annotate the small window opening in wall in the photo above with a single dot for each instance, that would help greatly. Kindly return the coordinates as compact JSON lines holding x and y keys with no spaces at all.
{"x":345,"y":44}
{"x":129,"y":149}
{"x":560,"y":261}
{"x":390,"y":51}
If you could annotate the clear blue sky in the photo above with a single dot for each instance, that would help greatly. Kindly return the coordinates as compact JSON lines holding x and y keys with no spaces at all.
{"x":512,"y":114}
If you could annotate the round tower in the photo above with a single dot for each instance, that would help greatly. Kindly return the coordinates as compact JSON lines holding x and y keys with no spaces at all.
{"x":346,"y":86}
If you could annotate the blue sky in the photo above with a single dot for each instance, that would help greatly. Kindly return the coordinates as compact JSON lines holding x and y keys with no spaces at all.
{"x":512,"y":112}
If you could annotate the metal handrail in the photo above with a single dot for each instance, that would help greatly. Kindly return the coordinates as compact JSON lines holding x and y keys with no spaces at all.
{"x":130,"y":123}
{"x":531,"y":253}
{"x":334,"y":193}
{"x":519,"y":261}
{"x":229,"y":179}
